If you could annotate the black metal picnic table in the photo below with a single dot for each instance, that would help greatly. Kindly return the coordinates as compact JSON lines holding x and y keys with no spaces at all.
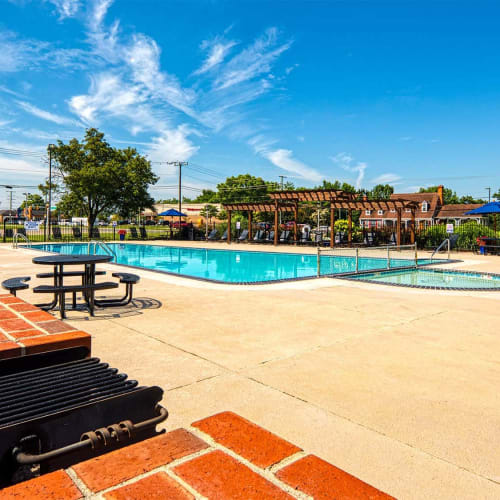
{"x":88,"y":286}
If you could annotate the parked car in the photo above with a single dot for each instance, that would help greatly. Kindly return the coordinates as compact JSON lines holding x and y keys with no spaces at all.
{"x":183,"y":224}
{"x":163,"y":223}
{"x":150,"y":223}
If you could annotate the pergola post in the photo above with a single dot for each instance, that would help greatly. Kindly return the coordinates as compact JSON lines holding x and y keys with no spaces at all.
{"x":412,"y":226}
{"x":349,"y":227}
{"x":295,"y":218}
{"x":332,"y":225}
{"x":398,"y":228}
{"x":276,"y":225}
{"x":250,"y":235}
{"x":228,"y":227}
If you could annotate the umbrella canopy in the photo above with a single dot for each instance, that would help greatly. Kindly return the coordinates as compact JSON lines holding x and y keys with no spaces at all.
{"x":172,"y":212}
{"x":489,"y":208}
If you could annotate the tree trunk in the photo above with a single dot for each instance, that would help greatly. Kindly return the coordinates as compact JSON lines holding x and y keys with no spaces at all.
{"x":92,"y":220}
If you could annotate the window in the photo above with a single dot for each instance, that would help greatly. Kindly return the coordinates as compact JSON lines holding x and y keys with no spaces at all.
{"x":407,"y":209}
{"x":425,"y":206}
{"x":368,"y":212}
{"x":393,"y":210}
{"x":380,"y":212}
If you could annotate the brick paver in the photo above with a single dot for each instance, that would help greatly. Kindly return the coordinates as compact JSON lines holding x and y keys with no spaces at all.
{"x":59,"y":341}
{"x":323,"y":481}
{"x":14,"y":325}
{"x":55,"y":326}
{"x":217,"y":475}
{"x":54,"y":486}
{"x":113,"y":468}
{"x":252,"y":442}
{"x":159,"y":486}
{"x":38,"y":316}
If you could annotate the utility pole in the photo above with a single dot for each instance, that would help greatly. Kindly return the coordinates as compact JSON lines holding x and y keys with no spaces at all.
{"x":489,"y":193}
{"x":179,"y":164}
{"x":50,"y":189}
{"x":10,"y":197}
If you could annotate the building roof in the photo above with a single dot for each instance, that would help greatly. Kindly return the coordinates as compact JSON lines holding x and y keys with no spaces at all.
{"x":458,"y":211}
{"x":431,"y":198}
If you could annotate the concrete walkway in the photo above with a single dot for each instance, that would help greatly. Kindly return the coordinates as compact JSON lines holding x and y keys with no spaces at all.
{"x":396,"y":386}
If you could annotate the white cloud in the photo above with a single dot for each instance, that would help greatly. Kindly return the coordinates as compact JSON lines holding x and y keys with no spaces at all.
{"x":17,"y":54}
{"x":346,"y":162}
{"x":253,"y":61}
{"x":66,"y":8}
{"x":218,"y":48}
{"x":173,"y":145}
{"x":46,"y":115}
{"x":386,"y":179}
{"x":283,"y":158}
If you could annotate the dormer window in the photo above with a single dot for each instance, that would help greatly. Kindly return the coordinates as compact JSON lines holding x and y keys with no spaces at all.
{"x":393,"y":210}
{"x":408,"y":210}
{"x":368,"y":212}
{"x":425,"y":206}
{"x":380,"y":212}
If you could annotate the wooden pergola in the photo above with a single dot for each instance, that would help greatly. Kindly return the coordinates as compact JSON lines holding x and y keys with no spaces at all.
{"x":288,"y":201}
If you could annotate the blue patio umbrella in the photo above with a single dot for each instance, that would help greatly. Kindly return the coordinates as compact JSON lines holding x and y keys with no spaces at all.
{"x":172,"y":212}
{"x":490,"y":208}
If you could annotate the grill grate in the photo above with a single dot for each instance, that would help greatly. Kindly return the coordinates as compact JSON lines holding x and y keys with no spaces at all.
{"x":51,"y":403}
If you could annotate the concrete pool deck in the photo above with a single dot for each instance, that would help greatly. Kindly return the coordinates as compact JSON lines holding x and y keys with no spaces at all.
{"x":396,"y":386}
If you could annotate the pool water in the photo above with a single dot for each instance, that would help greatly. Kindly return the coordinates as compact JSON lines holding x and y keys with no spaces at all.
{"x":228,"y":266}
{"x":434,"y":278}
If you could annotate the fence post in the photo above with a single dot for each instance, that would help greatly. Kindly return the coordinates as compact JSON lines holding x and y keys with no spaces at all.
{"x":318,"y":260}
{"x":4,"y":237}
{"x":388,"y":258}
{"x":449,"y":248}
{"x":357,"y":260}
{"x":416,"y":255}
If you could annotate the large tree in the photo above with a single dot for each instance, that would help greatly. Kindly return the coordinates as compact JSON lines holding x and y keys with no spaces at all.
{"x":244,"y":188}
{"x":34,"y":200}
{"x":381,"y":192}
{"x":99,"y":178}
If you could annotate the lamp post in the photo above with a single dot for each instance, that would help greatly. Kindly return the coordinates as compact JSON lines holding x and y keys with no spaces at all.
{"x":50,"y":189}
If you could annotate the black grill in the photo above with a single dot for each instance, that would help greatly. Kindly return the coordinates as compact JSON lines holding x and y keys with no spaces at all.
{"x":61,"y":407}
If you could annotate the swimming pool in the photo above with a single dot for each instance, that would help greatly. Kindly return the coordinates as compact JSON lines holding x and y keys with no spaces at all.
{"x":228,"y":266}
{"x":434,"y":278}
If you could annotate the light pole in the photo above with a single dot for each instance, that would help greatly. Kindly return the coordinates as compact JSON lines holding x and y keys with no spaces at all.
{"x":50,"y":189}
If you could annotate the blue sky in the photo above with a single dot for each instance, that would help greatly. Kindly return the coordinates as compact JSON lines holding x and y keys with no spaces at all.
{"x":365,"y":92}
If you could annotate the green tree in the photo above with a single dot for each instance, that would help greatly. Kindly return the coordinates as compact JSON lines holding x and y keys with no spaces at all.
{"x":209,"y":211}
{"x":381,"y":192}
{"x":206,"y":196}
{"x":497,"y":195}
{"x":34,"y":200}
{"x":99,"y":178}
{"x":244,"y":188}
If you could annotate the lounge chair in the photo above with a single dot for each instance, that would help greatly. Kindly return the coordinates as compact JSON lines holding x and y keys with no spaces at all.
{"x":144,"y":234}
{"x":224,"y":236}
{"x":304,"y":238}
{"x":453,"y":241}
{"x":133,"y":233}
{"x":393,"y":240}
{"x":259,"y":236}
{"x":212,"y":236}
{"x":56,"y":232}
{"x":369,"y":239}
{"x":77,"y":233}
{"x":270,"y":237}
{"x":21,"y":231}
{"x":244,"y":235}
{"x":96,"y":233}
{"x":285,"y":237}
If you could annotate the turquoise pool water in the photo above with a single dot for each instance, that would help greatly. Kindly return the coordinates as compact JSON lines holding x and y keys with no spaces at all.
{"x":434,"y":278}
{"x":228,"y":266}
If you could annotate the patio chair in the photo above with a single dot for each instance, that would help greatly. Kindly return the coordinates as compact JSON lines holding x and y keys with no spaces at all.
{"x":56,"y":232}
{"x":304,"y":238}
{"x":133,"y":233}
{"x":77,"y":233}
{"x":270,"y":237}
{"x":285,"y":237}
{"x":21,"y":231}
{"x":96,"y":233}
{"x":393,"y":240}
{"x":369,"y":239}
{"x":143,"y":232}
{"x":224,"y":236}
{"x":212,"y":236}
{"x":244,"y":235}
{"x":453,"y":241}
{"x":259,"y":236}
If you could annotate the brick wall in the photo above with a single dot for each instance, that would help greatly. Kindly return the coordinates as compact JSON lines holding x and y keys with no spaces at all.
{"x":221,"y":457}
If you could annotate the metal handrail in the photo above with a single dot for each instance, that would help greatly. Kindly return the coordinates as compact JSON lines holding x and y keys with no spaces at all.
{"x":446,"y":241}
{"x":16,"y":238}
{"x":107,"y":249}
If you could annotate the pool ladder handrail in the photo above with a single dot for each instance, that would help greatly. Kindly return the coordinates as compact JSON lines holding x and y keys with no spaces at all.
{"x":16,"y":237}
{"x":107,"y":249}
{"x":446,"y":241}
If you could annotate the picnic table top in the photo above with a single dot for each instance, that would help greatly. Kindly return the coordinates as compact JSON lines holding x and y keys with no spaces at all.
{"x":68,"y":260}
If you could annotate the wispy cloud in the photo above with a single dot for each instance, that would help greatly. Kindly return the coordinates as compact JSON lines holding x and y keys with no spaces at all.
{"x":218,"y":48}
{"x":46,"y":115}
{"x":17,"y":54}
{"x":173,"y":145}
{"x":346,"y":162}
{"x":66,"y":8}
{"x":386,"y":179}
{"x":252,"y":62}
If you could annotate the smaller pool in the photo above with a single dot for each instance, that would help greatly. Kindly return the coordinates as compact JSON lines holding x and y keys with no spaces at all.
{"x":433,"y":278}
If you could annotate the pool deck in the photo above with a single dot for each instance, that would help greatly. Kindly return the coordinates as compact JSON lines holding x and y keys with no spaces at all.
{"x":396,"y":386}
